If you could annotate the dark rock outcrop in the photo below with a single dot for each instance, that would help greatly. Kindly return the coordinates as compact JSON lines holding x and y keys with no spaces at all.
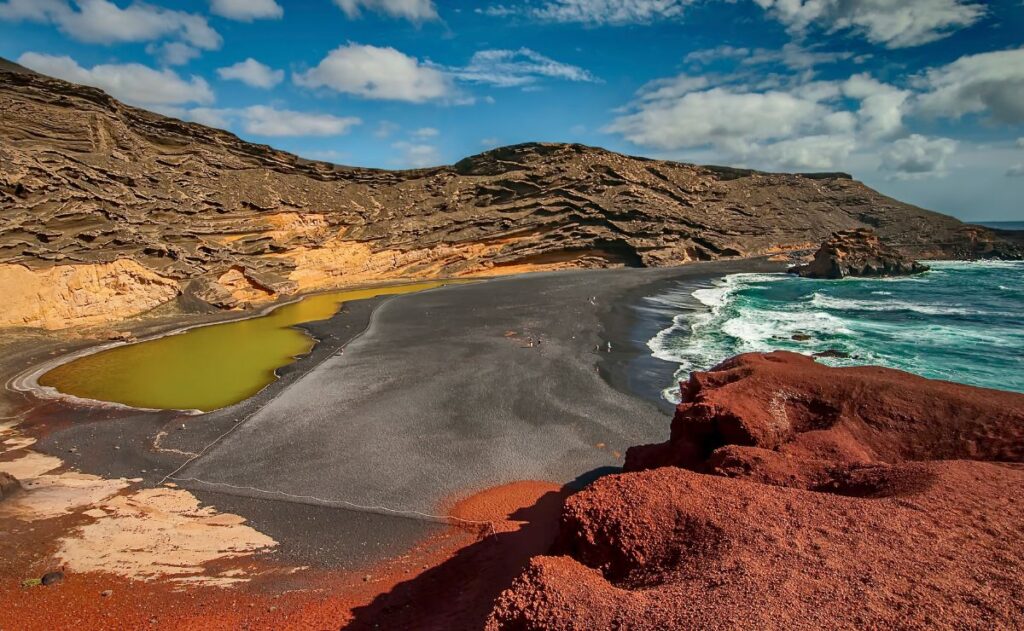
{"x":87,"y":180}
{"x":857,"y":253}
{"x":9,"y":485}
{"x":838,"y":498}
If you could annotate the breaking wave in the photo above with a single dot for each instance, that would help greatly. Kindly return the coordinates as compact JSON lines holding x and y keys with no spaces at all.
{"x":960,"y":322}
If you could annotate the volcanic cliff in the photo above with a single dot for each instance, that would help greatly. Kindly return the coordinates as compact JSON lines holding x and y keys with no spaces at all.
{"x":107,"y":210}
{"x":792,"y":495}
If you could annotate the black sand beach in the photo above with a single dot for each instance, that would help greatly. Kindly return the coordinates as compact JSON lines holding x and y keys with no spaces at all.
{"x":410,"y":401}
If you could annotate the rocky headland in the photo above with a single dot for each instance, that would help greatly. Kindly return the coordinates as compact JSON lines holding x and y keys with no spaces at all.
{"x":794,"y":495}
{"x":107,"y":210}
{"x":857,"y":252}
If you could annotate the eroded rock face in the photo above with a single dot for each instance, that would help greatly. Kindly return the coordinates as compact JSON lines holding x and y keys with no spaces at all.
{"x":857,"y":253}
{"x":80,"y":295}
{"x":9,"y":485}
{"x":838,"y":498}
{"x":87,"y":180}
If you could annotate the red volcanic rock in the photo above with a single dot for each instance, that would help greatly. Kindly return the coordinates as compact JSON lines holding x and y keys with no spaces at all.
{"x":673,"y":549}
{"x":840,"y":498}
{"x":785,"y":407}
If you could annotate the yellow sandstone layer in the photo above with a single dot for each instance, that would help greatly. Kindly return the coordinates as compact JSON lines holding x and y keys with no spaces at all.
{"x":80,"y":295}
{"x":339,"y":263}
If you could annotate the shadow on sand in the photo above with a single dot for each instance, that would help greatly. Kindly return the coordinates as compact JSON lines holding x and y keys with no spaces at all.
{"x":459,"y":593}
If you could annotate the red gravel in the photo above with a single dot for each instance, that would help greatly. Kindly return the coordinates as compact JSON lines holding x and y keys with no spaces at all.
{"x":895,"y":521}
{"x":449,"y":581}
{"x":459,"y":592}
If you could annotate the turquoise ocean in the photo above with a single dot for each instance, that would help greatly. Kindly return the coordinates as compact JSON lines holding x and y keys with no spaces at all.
{"x":961,"y":321}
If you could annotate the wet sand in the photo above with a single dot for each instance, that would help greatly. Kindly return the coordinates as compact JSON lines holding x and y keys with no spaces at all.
{"x":405,"y":403}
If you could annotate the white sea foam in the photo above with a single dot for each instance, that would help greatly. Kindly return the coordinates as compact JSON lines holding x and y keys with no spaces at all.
{"x":755,"y":329}
{"x":673,"y":345}
{"x":843,"y":304}
{"x":969,"y":265}
{"x":725,"y":319}
{"x":714,"y":296}
{"x":701,"y":339}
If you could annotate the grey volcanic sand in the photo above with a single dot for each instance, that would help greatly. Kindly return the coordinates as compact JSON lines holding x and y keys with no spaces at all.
{"x":434,"y":399}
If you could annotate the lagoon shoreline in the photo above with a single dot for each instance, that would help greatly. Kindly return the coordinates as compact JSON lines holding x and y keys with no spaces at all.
{"x":612,"y":318}
{"x":559,"y":401}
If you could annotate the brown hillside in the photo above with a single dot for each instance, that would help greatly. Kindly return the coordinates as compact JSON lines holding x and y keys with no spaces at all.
{"x":86,"y":180}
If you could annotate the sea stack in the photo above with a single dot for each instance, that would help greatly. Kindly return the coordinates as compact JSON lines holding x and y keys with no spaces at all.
{"x":857,"y":252}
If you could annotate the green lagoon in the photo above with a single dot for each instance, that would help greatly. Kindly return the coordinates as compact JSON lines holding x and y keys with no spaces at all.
{"x":208,"y":367}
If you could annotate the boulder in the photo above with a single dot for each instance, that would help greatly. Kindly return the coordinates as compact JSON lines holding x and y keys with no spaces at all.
{"x":787,"y":405}
{"x":9,"y":485}
{"x":857,"y":253}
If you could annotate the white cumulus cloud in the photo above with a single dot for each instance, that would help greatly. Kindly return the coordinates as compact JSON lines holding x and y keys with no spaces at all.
{"x":986,"y":83}
{"x":417,"y":155}
{"x":917,"y":156}
{"x":729,"y":118}
{"x":132,"y":83}
{"x":377,"y":73}
{"x":804,"y":124}
{"x":414,"y":10}
{"x":894,"y":24}
{"x":823,"y":151}
{"x":264,"y":120}
{"x":882,"y":106}
{"x":103,"y":22}
{"x":252,"y":73}
{"x":173,"y":53}
{"x":246,"y":10}
{"x":269,"y":121}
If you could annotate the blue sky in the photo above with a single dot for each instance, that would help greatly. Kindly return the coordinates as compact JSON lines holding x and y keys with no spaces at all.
{"x":922,"y":99}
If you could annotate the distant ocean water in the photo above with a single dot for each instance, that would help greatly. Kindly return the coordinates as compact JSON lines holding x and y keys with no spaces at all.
{"x":959,"y":322}
{"x":1003,"y":225}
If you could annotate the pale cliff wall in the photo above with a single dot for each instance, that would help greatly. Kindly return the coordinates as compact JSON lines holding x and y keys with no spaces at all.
{"x":80,"y":295}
